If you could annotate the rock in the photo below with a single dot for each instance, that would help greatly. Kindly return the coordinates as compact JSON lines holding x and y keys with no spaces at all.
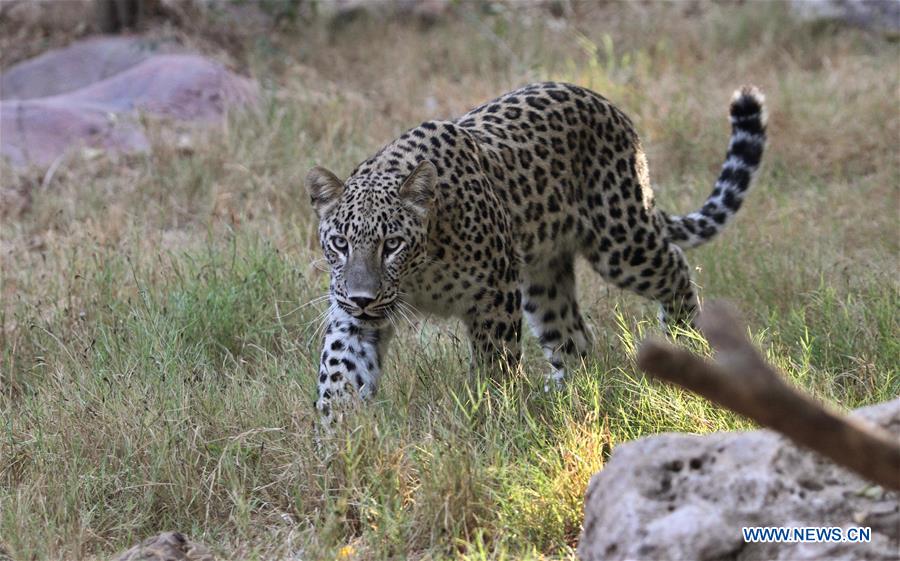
{"x":678,"y":496}
{"x":78,"y":65}
{"x":168,"y":546}
{"x":878,"y":15}
{"x":101,"y":114}
{"x":183,"y":87}
{"x":37,"y":132}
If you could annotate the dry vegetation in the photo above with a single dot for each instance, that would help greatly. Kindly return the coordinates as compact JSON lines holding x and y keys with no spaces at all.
{"x":157,"y":362}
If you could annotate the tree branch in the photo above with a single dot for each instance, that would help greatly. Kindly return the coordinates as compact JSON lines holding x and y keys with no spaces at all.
{"x":741,"y":380}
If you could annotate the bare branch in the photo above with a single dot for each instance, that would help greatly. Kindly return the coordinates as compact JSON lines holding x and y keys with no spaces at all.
{"x":742,"y":381}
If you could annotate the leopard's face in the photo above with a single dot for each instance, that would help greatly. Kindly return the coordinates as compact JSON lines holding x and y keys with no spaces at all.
{"x":373,"y":232}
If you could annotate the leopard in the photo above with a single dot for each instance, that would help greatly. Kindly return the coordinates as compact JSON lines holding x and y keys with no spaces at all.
{"x":482,"y":217}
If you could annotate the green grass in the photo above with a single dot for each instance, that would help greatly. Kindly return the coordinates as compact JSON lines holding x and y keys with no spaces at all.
{"x":157,"y":361}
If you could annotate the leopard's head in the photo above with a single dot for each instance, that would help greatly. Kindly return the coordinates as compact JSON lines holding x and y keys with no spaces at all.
{"x":373,"y":230}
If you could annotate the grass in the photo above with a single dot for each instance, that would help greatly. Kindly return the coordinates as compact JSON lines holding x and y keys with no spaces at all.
{"x":157,"y":359}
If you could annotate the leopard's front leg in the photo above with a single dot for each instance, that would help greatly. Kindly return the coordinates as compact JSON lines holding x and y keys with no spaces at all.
{"x":350,"y":364}
{"x":494,"y":326}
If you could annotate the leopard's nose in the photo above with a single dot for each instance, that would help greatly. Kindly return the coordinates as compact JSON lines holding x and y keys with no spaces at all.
{"x":362,"y":301}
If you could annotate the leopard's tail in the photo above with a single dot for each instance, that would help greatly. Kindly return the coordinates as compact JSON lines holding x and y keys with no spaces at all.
{"x":745,"y":150}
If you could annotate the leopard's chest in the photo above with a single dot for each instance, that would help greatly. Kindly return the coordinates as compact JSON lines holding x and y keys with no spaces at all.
{"x":446,"y":289}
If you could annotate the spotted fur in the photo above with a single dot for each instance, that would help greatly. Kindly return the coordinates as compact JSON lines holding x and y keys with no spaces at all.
{"x":482,"y":217}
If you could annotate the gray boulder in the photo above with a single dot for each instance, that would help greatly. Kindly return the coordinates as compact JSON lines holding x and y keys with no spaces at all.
{"x":78,"y":65}
{"x":100,"y":112}
{"x":677,"y":496}
{"x":37,"y":132}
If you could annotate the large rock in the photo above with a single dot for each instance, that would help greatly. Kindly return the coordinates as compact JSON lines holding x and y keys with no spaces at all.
{"x":677,"y":496}
{"x":101,"y":114}
{"x":178,"y":86}
{"x":40,"y":131}
{"x":78,"y":65}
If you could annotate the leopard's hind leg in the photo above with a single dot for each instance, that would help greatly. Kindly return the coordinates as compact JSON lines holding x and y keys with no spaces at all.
{"x":655,"y":269}
{"x":551,"y":309}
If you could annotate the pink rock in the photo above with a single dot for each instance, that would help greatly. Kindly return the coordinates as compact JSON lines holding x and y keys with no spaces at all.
{"x":179,"y":86}
{"x":38,"y":131}
{"x":101,"y":114}
{"x":78,"y":65}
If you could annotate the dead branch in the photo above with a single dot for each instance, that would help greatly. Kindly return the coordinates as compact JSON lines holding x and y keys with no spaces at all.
{"x":741,"y":380}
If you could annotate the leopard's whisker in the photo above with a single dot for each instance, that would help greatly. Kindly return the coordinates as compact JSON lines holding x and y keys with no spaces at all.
{"x":321,"y":321}
{"x":314,"y":301}
{"x":390,"y":317}
{"x":402,"y":314}
{"x":405,"y":312}
{"x":318,"y":317}
{"x":404,"y":300}
{"x":320,"y":330}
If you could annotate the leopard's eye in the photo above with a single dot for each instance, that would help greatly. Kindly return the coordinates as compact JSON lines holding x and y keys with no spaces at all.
{"x":392,"y":244}
{"x":339,"y":243}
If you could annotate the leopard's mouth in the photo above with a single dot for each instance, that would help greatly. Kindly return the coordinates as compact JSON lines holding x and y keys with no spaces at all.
{"x":368,"y":317}
{"x":376,"y":315}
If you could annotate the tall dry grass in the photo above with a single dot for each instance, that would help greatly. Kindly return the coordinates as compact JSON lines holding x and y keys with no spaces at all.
{"x":157,"y":361}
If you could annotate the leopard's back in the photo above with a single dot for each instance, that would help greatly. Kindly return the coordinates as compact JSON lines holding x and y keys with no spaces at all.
{"x":566,"y":162}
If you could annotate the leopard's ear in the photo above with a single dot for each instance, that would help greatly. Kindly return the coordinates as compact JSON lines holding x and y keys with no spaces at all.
{"x":324,"y":189}
{"x":418,"y":187}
